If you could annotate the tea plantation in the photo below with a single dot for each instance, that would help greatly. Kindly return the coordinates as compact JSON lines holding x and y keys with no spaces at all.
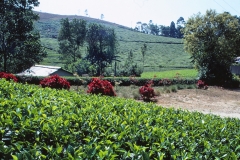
{"x":44,"y":123}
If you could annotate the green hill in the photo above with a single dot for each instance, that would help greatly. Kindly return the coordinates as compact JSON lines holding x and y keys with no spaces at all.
{"x":163,"y":53}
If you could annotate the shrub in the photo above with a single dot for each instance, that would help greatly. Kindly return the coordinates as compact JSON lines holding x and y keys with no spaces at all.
{"x":165,"y":82}
{"x":201,"y":84}
{"x":146,"y":91}
{"x":99,"y":86}
{"x":8,"y":76}
{"x":56,"y":82}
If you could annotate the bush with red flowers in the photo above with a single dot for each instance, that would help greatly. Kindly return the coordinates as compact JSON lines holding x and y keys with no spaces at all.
{"x":146,"y":91}
{"x":56,"y":82}
{"x":98,"y":86}
{"x":201,"y":84}
{"x":8,"y":76}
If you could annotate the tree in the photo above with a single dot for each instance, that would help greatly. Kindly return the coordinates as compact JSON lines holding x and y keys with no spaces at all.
{"x":20,"y":45}
{"x":101,"y":42}
{"x":154,"y":29}
{"x":180,"y":26}
{"x":102,"y":16}
{"x":143,"y":51}
{"x":144,"y":28}
{"x":71,"y":37}
{"x":213,"y":41}
{"x":181,"y":21}
{"x":179,"y":33}
{"x":130,"y":68}
{"x":138,"y":26}
{"x":165,"y":30}
{"x":172,"y":30}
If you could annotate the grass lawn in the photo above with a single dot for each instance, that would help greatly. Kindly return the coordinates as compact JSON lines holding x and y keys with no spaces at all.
{"x":184,"y":73}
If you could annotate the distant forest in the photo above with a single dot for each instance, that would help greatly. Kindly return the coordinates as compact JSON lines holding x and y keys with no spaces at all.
{"x":174,"y":30}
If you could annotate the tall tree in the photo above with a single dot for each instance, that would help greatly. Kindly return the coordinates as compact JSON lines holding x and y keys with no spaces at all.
{"x":71,"y":37}
{"x":180,"y":26}
{"x":165,"y":30}
{"x":143,"y":51}
{"x":20,"y":46}
{"x":172,"y":30}
{"x":181,"y":21}
{"x":154,"y":29}
{"x":213,"y":41}
{"x":101,"y":43}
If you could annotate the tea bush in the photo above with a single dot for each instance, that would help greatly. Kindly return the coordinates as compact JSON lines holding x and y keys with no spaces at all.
{"x":44,"y":123}
{"x":56,"y":82}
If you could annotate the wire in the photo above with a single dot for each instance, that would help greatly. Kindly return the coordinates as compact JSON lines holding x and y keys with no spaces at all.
{"x":220,"y":5}
{"x":231,"y":7}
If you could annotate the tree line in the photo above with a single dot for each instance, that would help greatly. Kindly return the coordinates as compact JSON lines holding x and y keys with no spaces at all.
{"x":174,"y":30}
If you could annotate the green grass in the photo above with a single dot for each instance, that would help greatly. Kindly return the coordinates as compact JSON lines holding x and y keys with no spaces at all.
{"x":184,"y":73}
{"x":163,"y":53}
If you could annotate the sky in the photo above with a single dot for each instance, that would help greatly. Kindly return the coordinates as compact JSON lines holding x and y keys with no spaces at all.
{"x":129,"y":12}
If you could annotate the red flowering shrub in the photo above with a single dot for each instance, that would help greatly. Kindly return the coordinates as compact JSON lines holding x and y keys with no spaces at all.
{"x":201,"y":84}
{"x":146,"y":91}
{"x":56,"y":82}
{"x":98,"y":86}
{"x":8,"y":76}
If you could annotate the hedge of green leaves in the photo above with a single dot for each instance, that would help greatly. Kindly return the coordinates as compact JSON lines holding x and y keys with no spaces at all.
{"x":122,"y":81}
{"x":44,"y":123}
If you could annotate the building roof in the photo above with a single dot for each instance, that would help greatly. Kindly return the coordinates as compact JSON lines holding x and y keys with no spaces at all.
{"x":40,"y":70}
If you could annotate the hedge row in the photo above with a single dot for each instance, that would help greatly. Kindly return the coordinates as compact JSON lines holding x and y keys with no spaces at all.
{"x":121,"y":81}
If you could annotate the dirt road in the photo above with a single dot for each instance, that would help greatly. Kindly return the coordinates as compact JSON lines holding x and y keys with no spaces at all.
{"x":214,"y":100}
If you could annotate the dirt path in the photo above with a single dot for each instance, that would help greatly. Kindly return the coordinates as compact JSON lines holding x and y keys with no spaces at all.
{"x":214,"y":100}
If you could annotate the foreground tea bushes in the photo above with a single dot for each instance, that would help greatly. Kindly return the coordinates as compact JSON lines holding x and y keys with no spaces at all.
{"x":37,"y":123}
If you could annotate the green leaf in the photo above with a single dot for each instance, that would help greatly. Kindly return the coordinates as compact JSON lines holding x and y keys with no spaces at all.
{"x":14,"y":157}
{"x":59,"y":149}
{"x":54,"y":108}
{"x":70,"y":150}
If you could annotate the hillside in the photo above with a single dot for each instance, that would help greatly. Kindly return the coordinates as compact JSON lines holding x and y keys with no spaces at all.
{"x":163,"y":53}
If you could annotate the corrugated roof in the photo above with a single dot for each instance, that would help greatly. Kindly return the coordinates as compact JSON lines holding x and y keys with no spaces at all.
{"x":40,"y":70}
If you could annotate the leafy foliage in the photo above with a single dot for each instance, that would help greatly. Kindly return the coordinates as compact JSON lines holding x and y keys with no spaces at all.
{"x":212,"y":40}
{"x":71,"y":37}
{"x":56,"y":82}
{"x":130,"y":67}
{"x":8,"y":76}
{"x":99,"y":86}
{"x":146,"y":91}
{"x":101,"y":46}
{"x":20,"y":45}
{"x":41,"y":123}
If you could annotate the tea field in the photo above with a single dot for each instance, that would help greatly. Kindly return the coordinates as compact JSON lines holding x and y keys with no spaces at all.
{"x":44,"y":123}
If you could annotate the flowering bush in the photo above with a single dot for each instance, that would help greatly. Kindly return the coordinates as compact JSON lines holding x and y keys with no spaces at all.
{"x":201,"y":84}
{"x":98,"y":86}
{"x":8,"y":76}
{"x":56,"y":82}
{"x":146,"y":91}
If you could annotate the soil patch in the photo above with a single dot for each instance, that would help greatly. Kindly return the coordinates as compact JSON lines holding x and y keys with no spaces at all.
{"x":214,"y":100}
